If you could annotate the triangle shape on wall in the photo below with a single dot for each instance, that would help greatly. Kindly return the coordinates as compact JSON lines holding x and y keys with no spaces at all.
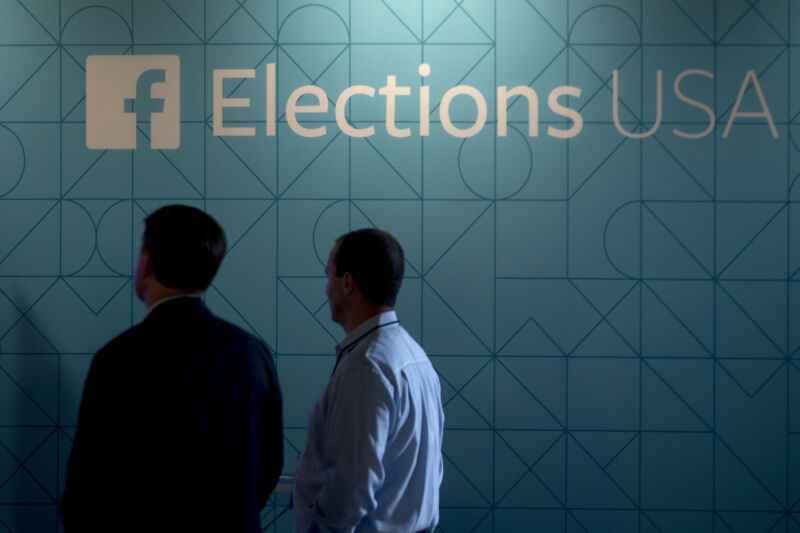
{"x":663,"y":408}
{"x":700,"y":13}
{"x":30,"y":74}
{"x":751,"y":375}
{"x":531,"y":446}
{"x":457,"y":371}
{"x":624,"y":468}
{"x":22,"y":442}
{"x":23,"y":292}
{"x":604,"y":341}
{"x":456,"y":489}
{"x":24,"y":337}
{"x":626,"y":318}
{"x":690,"y":380}
{"x":73,"y":87}
{"x":541,"y":379}
{"x":301,"y":332}
{"x":765,"y":256}
{"x":674,"y":172}
{"x":736,"y":488}
{"x":445,"y":332}
{"x":664,"y":256}
{"x":158,"y":173}
{"x":529,"y":492}
{"x":187,"y":10}
{"x":604,"y":446}
{"x":230,"y":171}
{"x":479,"y":393}
{"x":96,"y":292}
{"x":314,"y":60}
{"x":241,"y":28}
{"x":738,"y":334}
{"x":750,"y":29}
{"x":29,"y":22}
{"x":518,"y":407}
{"x":664,"y":334}
{"x":23,"y":487}
{"x":604,"y":294}
{"x":449,"y":277}
{"x":37,"y":252}
{"x":106,"y":175}
{"x":690,"y":302}
{"x":738,"y":224}
{"x":591,"y":69}
{"x":681,"y":27}
{"x":43,"y":467}
{"x":692,"y":225}
{"x":435,"y":14}
{"x":458,"y":27}
{"x":321,"y":175}
{"x":37,"y":377}
{"x":21,"y":218}
{"x":375,"y":174}
{"x":459,"y":414}
{"x":446,"y":223}
{"x":460,"y":451}
{"x":589,"y":485}
{"x":530,"y":339}
{"x":309,"y":291}
{"x":395,"y":21}
{"x":167,"y":24}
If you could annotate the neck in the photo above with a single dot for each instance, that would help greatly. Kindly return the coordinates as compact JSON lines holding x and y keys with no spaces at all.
{"x":158,"y":292}
{"x":360,"y":315}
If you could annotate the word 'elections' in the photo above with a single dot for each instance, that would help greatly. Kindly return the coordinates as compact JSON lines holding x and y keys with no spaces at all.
{"x":391,"y":92}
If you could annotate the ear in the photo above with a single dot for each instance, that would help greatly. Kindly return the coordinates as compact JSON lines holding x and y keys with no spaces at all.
{"x":349,"y":286}
{"x":149,"y":270}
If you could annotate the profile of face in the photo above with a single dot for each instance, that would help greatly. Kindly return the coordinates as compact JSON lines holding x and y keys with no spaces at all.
{"x":334,"y":287}
{"x":140,"y":274}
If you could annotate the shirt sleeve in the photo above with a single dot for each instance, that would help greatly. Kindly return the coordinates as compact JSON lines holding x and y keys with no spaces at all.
{"x":358,"y":420}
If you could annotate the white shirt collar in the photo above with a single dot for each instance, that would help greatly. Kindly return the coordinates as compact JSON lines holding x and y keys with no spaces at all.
{"x":170,"y":298}
{"x":378,"y":320}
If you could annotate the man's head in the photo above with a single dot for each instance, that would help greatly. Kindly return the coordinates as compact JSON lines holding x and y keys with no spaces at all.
{"x":365,"y":270}
{"x":182,"y":248}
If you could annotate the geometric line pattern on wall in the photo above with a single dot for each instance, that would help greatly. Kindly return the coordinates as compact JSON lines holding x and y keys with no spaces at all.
{"x":615,"y":321}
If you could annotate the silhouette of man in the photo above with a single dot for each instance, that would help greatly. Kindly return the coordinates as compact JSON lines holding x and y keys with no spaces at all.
{"x":180,"y":422}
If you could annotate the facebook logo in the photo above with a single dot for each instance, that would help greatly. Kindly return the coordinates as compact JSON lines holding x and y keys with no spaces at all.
{"x":132,"y":94}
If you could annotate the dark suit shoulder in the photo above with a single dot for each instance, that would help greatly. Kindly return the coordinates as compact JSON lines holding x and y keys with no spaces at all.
{"x":128,"y":341}
{"x":239,"y":341}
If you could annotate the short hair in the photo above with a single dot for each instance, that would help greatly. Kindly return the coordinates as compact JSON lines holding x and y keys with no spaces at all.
{"x":186,"y":246}
{"x":375,"y":260}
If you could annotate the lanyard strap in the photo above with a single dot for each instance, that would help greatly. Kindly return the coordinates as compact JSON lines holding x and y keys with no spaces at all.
{"x":352,"y":345}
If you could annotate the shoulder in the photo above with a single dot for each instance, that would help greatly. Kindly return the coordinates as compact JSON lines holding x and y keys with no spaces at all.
{"x":233,"y":334}
{"x":394,"y":348}
{"x":127,"y":341}
{"x":238,"y":346}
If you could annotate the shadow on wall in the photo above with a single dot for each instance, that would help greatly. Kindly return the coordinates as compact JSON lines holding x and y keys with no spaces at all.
{"x":29,"y":434}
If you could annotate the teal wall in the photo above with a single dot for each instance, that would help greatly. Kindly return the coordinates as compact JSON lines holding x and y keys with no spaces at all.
{"x":614,"y":320}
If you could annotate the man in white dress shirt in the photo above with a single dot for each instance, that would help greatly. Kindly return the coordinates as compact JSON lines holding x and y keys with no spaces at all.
{"x":373,"y":459}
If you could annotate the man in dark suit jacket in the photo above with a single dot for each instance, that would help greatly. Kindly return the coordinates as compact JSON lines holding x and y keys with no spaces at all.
{"x":180,"y":422}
